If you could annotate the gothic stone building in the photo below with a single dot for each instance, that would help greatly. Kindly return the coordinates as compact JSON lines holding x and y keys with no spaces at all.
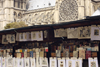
{"x":60,"y":11}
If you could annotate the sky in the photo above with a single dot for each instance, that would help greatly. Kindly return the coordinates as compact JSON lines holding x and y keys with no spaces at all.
{"x":36,"y":4}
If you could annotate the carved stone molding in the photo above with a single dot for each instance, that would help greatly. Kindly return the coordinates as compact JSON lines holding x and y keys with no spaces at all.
{"x":40,"y":17}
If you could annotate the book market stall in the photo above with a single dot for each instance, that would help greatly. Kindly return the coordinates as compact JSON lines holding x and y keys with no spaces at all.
{"x":68,"y":44}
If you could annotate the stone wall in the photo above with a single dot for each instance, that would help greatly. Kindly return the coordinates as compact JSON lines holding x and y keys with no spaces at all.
{"x":39,"y":16}
{"x":63,"y":11}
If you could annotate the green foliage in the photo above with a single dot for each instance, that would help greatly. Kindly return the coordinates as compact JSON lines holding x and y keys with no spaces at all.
{"x":15,"y":25}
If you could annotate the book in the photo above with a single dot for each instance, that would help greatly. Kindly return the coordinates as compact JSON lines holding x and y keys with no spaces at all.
{"x":28,"y":54}
{"x":22,"y":54}
{"x":41,"y":54}
{"x":75,"y":54}
{"x":82,"y":53}
{"x":66,"y":53}
{"x":31,"y":53}
{"x":88,"y":54}
{"x":58,"y":53}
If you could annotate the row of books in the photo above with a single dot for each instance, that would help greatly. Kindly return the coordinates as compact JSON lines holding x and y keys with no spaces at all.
{"x":82,"y":53}
{"x":25,"y":52}
{"x":74,"y":47}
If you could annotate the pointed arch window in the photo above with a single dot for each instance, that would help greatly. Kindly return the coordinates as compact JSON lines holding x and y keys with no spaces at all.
{"x":18,"y":3}
{"x":14,"y":3}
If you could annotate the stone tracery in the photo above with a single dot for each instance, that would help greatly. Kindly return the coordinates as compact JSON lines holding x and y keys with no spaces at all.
{"x":68,"y":10}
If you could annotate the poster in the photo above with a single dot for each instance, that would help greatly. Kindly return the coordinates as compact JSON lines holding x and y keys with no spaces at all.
{"x":28,"y":36}
{"x":69,"y":62}
{"x":21,"y":37}
{"x":72,"y":33}
{"x":53,"y":62}
{"x":33,"y":36}
{"x":3,"y":62}
{"x":61,"y":62}
{"x":77,"y":62}
{"x":93,"y":62}
{"x":33,"y":63}
{"x":84,"y":32}
{"x":37,"y":60}
{"x":9,"y":62}
{"x":0,"y":61}
{"x":24,"y":36}
{"x":20,"y":62}
{"x":8,"y":37}
{"x":16,"y":62}
{"x":12,"y":38}
{"x":43,"y":62}
{"x":4,"y":40}
{"x":26,"y":62}
{"x":60,"y":33}
{"x":39,"y":36}
{"x":95,"y":33}
{"x":17,"y":36}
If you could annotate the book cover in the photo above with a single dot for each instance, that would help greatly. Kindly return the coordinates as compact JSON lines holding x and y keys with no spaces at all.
{"x":31,"y":53}
{"x":22,"y":54}
{"x":82,"y":54}
{"x":66,"y":53}
{"x":28,"y":54}
{"x":41,"y":54}
{"x":58,"y":53}
{"x":25,"y":54}
{"x":75,"y":54}
{"x":88,"y":54}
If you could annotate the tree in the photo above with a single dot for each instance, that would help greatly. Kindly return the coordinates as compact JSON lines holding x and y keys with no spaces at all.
{"x":15,"y":25}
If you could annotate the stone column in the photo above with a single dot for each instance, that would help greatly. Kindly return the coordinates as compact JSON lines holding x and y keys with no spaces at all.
{"x":24,"y":5}
{"x":88,"y":7}
{"x":11,"y":3}
{"x":7,"y":14}
{"x":11,"y":14}
{"x":81,"y":8}
{"x":92,"y":8}
{"x":56,"y":13}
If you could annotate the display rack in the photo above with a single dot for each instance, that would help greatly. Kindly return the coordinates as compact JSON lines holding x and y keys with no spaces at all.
{"x":50,"y":36}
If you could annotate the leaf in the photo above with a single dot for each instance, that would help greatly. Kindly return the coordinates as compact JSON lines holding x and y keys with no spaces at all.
{"x":16,"y":25}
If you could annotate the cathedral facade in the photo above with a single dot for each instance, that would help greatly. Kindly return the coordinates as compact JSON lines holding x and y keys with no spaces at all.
{"x":43,"y":12}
